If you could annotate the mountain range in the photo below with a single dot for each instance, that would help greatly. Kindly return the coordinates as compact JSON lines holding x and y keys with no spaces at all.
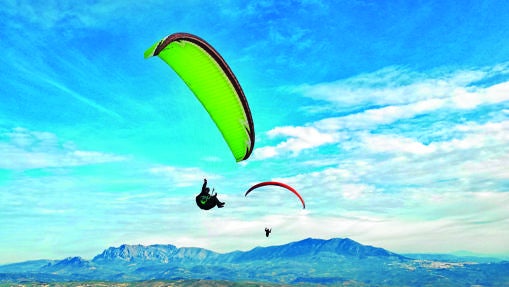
{"x":337,"y":261}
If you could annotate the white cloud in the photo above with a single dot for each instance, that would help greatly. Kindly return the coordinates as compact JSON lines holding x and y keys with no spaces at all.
{"x":470,"y":99}
{"x":332,"y":130}
{"x":299,"y":138}
{"x":390,"y":174}
{"x":489,"y":135}
{"x":475,"y":160}
{"x":264,"y":152}
{"x":182,"y":176}
{"x":24,"y":149}
{"x":371,"y":118}
{"x":394,"y":144}
{"x":397,"y":86}
{"x":398,"y":95}
{"x":470,"y":136}
{"x":354,"y":191}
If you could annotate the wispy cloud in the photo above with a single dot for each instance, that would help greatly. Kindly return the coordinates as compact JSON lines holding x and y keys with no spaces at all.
{"x":397,"y":90}
{"x":23,"y":149}
{"x":61,"y":13}
{"x":371,"y":118}
{"x":83,"y":99}
{"x":299,"y":138}
{"x":183,"y":176}
{"x":388,"y":97}
{"x":52,"y":78}
{"x":391,"y":86}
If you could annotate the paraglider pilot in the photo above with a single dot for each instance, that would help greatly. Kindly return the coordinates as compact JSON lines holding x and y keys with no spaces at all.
{"x":205,"y":200}
{"x":267,"y":231}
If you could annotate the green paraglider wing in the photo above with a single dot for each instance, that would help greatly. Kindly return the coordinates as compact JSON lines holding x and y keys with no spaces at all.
{"x":213,"y":83}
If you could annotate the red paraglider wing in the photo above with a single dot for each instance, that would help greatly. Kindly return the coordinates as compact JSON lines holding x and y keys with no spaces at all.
{"x":265,"y":183}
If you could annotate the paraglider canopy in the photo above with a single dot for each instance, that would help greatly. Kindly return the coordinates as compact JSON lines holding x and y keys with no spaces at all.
{"x":213,"y":83}
{"x":276,"y":183}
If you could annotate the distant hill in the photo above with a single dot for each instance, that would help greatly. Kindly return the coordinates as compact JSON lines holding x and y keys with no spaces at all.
{"x":337,"y":261}
{"x":315,"y":248}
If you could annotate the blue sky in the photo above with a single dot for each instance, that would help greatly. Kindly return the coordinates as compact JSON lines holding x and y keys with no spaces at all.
{"x":391,"y":118}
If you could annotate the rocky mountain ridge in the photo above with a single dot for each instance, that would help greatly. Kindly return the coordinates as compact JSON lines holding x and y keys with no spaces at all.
{"x":310,"y":261}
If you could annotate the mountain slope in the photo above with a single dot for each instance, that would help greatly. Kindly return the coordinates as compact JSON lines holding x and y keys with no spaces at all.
{"x":314,"y":248}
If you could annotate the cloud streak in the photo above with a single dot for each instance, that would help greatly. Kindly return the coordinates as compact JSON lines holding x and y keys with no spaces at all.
{"x":402,"y":99}
{"x":400,"y":86}
{"x":299,"y":139}
{"x":183,"y":176}
{"x":23,"y":149}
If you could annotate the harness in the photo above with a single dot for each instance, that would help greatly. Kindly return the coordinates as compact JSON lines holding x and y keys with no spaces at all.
{"x":204,"y":199}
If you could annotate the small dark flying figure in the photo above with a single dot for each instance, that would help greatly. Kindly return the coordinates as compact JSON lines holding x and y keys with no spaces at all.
{"x":267,"y":231}
{"x":205,"y":200}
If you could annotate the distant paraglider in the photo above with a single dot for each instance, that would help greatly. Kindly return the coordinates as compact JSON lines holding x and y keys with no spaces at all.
{"x":213,"y":83}
{"x":266,"y":183}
